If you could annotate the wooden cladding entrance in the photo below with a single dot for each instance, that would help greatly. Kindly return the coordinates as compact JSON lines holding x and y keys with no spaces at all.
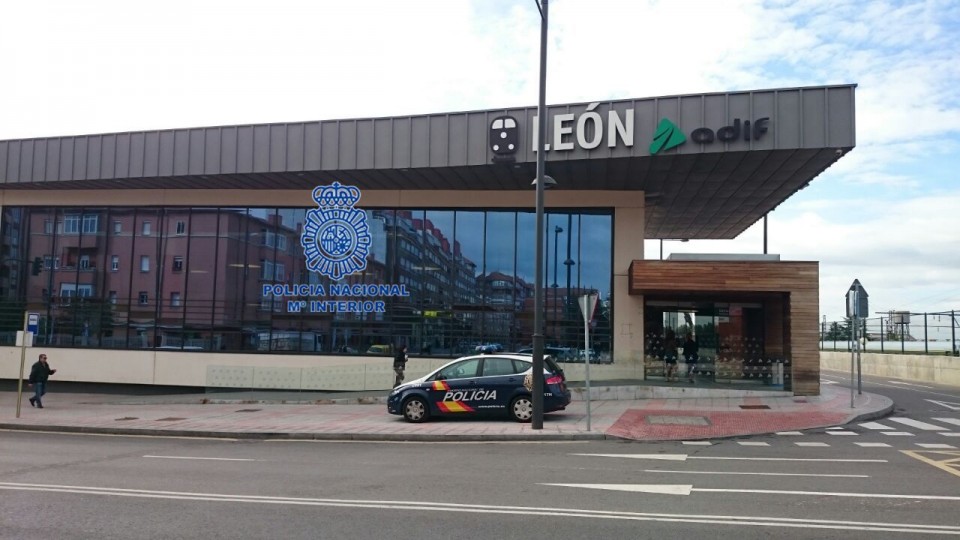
{"x":721,"y":281}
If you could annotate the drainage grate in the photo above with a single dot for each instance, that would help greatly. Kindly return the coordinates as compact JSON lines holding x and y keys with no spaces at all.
{"x":249,"y":410}
{"x":126,"y":418}
{"x":678,"y":420}
{"x":754,"y":406}
{"x":169,"y":419}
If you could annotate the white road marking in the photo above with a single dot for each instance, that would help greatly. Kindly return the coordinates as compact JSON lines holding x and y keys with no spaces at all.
{"x":698,"y":443}
{"x":789,"y":433}
{"x":201,"y":458}
{"x":686,"y":489}
{"x":684,"y":457}
{"x":910,"y":384}
{"x":748,"y":443}
{"x":847,"y":379}
{"x":954,"y":421}
{"x":737,"y":520}
{"x":842,"y":433}
{"x":950,"y":434}
{"x":898,"y":433}
{"x":761,"y":473}
{"x":835,"y":427}
{"x":918,"y":424}
{"x":875,"y":425}
{"x":873,"y":444}
{"x":812,"y":444}
{"x":948,"y":404}
{"x":937,"y":446}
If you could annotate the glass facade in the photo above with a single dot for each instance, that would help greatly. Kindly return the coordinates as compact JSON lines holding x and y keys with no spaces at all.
{"x":192,"y":279}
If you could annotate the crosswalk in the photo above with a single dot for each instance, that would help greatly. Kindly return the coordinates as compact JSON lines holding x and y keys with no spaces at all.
{"x":897,"y":428}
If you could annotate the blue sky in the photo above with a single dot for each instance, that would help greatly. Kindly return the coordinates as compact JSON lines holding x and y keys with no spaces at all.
{"x":888,"y":213}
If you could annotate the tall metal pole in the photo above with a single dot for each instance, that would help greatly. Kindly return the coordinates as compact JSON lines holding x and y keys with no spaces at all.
{"x":764,"y":234}
{"x":537,"y":420}
{"x":568,"y":263}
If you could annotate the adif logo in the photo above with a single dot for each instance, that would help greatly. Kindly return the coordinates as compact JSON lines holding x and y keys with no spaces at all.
{"x":335,"y":237}
{"x":504,"y":139}
{"x":667,"y":136}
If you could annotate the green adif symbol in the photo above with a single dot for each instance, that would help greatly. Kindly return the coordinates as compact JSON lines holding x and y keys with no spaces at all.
{"x":667,"y":136}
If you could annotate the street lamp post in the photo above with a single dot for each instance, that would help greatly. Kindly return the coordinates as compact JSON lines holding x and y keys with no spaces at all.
{"x":537,"y":391}
{"x":569,"y":264}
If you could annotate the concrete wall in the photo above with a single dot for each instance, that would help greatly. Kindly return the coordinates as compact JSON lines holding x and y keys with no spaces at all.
{"x":294,"y":372}
{"x":915,"y":367}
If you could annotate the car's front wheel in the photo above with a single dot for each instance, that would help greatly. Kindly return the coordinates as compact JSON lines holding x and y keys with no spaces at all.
{"x":415,"y":410}
{"x":521,"y":409}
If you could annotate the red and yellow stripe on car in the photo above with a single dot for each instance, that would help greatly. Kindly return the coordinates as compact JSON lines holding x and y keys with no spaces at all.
{"x":440,"y":385}
{"x":453,"y":406}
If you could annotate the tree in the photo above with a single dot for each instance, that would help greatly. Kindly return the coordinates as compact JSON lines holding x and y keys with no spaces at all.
{"x":839,"y":331}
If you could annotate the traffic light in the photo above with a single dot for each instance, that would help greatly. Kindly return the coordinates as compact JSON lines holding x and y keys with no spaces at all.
{"x":35,"y":266}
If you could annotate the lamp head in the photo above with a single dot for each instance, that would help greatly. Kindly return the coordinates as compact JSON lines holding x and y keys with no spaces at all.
{"x":548,"y":182}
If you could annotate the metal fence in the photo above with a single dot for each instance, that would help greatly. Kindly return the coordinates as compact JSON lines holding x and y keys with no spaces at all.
{"x":898,"y":332}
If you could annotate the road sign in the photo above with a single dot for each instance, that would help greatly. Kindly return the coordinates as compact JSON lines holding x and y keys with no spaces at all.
{"x":33,"y":322}
{"x":588,"y":303}
{"x":857,"y":301}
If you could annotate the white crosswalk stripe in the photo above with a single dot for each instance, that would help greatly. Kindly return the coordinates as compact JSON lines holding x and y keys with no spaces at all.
{"x":812,"y":444}
{"x":842,"y":433}
{"x":898,"y":433}
{"x":698,"y":443}
{"x":918,"y":424}
{"x":950,"y":434}
{"x":873,"y":444}
{"x":954,"y":421}
{"x":789,"y":433}
{"x":938,"y":446}
{"x":875,"y":425}
{"x":748,"y":443}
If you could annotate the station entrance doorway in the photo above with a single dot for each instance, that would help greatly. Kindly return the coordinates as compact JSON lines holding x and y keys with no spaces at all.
{"x":737,"y":340}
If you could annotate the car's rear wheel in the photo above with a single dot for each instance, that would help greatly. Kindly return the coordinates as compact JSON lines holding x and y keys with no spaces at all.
{"x":415,"y":410}
{"x":521,"y":409}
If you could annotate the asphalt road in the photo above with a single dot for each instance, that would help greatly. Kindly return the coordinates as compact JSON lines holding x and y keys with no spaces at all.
{"x":815,"y":484}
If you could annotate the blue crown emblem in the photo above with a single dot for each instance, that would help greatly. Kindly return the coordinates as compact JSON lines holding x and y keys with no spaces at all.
{"x":335,"y":236}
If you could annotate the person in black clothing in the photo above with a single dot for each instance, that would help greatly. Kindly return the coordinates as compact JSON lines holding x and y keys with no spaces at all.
{"x":690,"y":356}
{"x":399,"y":364}
{"x":670,"y":356}
{"x":39,"y":374}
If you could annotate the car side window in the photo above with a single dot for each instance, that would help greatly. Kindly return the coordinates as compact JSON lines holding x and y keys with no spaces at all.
{"x":460,"y":370}
{"x":520,"y":366}
{"x":493,"y":367}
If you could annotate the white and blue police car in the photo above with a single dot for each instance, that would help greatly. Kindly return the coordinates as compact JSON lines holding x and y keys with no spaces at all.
{"x":480,"y":385}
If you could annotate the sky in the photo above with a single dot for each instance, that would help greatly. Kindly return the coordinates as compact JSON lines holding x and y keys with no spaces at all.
{"x":887,"y":213}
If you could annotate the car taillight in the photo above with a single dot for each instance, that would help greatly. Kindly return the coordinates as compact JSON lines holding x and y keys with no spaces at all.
{"x":556,"y":379}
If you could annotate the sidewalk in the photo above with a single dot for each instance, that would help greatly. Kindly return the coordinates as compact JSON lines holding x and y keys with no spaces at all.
{"x":363,"y":416}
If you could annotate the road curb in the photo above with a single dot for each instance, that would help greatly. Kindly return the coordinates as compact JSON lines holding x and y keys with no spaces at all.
{"x":366,"y":437}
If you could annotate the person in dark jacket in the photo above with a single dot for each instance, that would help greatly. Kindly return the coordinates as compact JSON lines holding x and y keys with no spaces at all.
{"x":399,"y":364}
{"x":691,"y":355}
{"x":39,"y":373}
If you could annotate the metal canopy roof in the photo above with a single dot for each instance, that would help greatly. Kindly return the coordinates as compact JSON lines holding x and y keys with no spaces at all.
{"x":694,"y":190}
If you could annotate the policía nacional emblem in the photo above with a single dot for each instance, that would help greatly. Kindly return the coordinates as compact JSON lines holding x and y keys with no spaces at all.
{"x":335,"y":236}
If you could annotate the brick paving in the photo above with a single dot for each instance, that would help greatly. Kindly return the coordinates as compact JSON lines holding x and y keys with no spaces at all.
{"x":626,"y":419}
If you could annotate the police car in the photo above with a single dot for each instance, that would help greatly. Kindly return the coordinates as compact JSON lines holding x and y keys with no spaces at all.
{"x":480,"y":384}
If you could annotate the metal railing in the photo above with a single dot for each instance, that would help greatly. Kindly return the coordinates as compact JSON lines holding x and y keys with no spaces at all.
{"x":898,"y":332}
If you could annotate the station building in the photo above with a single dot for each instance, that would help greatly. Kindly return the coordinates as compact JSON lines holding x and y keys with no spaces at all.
{"x":176,"y":257}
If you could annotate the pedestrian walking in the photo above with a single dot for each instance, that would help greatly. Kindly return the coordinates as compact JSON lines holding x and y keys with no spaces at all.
{"x":39,"y":373}
{"x":691,"y":355}
{"x":670,"y":355}
{"x":399,"y":364}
